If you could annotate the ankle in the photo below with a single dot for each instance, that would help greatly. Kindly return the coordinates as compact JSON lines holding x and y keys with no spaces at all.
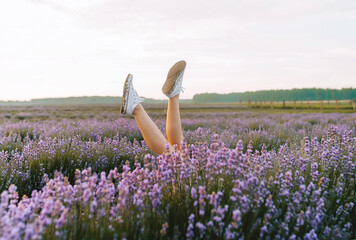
{"x":175,"y":98}
{"x":137,"y":109}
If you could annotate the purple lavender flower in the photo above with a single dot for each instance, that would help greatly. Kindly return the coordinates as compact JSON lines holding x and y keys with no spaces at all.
{"x":201,"y":228}
{"x":193,"y":193}
{"x":284,"y":166}
{"x":155,"y":195}
{"x":190,"y":229}
{"x":311,"y":235}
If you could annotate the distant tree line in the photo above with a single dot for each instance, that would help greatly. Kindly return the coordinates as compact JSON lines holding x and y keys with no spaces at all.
{"x":79,"y":101}
{"x":65,"y":101}
{"x":313,"y":94}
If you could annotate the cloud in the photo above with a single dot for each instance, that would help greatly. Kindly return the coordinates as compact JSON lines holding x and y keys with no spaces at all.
{"x":85,"y":46}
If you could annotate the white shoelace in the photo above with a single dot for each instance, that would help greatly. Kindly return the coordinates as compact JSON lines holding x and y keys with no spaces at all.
{"x":136,"y":98}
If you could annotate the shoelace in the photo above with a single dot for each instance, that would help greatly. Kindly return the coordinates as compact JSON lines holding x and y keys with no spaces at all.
{"x":136,"y":98}
{"x":179,"y":84}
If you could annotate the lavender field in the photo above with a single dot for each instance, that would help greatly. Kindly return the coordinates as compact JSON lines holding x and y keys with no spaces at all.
{"x":88,"y":174}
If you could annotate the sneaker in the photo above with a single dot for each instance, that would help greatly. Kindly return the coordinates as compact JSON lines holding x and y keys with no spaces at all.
{"x":130,"y":98}
{"x":173,"y":84}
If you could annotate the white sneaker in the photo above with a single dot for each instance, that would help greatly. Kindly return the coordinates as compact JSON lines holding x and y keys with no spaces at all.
{"x":173,"y":84}
{"x":130,"y":98}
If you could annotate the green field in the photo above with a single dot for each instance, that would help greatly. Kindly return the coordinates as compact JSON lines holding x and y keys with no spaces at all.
{"x":112,"y":111}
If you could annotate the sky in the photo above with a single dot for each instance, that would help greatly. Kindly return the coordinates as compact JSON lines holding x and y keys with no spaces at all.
{"x":61,"y":48}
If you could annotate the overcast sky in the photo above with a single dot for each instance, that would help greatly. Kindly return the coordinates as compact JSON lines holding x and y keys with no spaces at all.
{"x":59,"y":48}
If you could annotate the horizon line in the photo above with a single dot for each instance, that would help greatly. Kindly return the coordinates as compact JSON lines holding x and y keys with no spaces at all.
{"x":84,"y":96}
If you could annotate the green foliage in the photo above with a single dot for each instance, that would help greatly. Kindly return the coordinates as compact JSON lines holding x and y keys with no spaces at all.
{"x":313,"y":94}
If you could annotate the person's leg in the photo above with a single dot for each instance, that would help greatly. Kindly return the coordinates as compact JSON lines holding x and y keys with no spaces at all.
{"x":172,"y":88}
{"x":151,"y":133}
{"x":131,"y":105}
{"x":173,"y":123}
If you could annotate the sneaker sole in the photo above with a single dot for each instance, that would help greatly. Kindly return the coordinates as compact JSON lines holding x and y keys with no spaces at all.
{"x":175,"y":71}
{"x":125,"y":94}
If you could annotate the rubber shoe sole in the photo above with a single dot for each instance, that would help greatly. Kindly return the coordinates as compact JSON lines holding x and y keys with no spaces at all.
{"x":172,"y":75}
{"x":125,"y":94}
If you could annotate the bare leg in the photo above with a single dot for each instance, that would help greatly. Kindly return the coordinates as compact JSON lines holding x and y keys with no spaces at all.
{"x":151,"y":133}
{"x":173,"y":123}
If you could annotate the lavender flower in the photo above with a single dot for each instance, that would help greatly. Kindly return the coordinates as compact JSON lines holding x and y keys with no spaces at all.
{"x":280,"y":177}
{"x":190,"y":232}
